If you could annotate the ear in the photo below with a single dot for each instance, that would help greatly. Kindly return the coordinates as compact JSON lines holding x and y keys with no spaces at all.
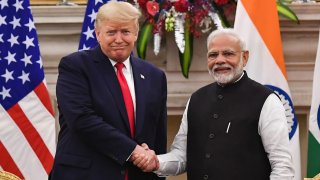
{"x":136,"y":36}
{"x":97,"y":31}
{"x":245,"y":57}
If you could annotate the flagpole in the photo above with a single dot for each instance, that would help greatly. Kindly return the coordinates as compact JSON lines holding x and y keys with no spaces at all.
{"x":302,"y":1}
{"x":66,"y":3}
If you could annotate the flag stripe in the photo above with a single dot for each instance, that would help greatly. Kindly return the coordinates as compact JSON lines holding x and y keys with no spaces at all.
{"x":313,"y":167}
{"x":40,"y":118}
{"x":259,"y":57}
{"x":7,"y":163}
{"x":43,"y":95}
{"x":19,"y":149}
{"x":27,"y":122}
{"x":32,"y":137}
{"x":257,"y":22}
{"x":267,"y":28}
{"x":313,"y":156}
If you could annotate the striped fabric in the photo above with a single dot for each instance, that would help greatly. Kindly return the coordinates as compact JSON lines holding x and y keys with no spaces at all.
{"x":27,"y":130}
{"x":258,"y":23}
{"x":314,"y":122}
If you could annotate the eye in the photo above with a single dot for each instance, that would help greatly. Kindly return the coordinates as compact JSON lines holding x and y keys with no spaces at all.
{"x":125,"y":32}
{"x":213,"y":55}
{"x":228,"y":54}
{"x":111,"y":32}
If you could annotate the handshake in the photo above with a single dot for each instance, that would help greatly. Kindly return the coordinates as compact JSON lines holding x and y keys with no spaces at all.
{"x":144,"y":158}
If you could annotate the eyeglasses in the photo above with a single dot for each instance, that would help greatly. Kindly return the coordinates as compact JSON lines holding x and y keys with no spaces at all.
{"x":228,"y":54}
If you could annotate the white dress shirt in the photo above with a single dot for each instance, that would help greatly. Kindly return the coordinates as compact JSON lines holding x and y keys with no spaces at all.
{"x":272,"y":128}
{"x":128,"y":74}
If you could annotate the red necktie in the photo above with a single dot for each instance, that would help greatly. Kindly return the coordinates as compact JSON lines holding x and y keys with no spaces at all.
{"x":127,"y":100}
{"x":126,"y":96}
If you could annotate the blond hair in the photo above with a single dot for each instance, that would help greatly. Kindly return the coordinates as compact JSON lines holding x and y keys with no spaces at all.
{"x":118,"y":11}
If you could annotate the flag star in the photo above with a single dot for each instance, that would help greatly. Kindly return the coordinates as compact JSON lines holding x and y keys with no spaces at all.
{"x":3,"y":20}
{"x":15,"y":22}
{"x":10,"y":58}
{"x":24,"y":77}
{"x":8,"y":75}
{"x":3,"y":3}
{"x":84,"y":48}
{"x":28,"y":42}
{"x":5,"y":93}
{"x":13,"y":40}
{"x":26,"y":59}
{"x":18,"y":5}
{"x":40,"y":62}
{"x":93,"y":15}
{"x":1,"y":40}
{"x":97,"y":1}
{"x":30,"y":25}
{"x":89,"y":33}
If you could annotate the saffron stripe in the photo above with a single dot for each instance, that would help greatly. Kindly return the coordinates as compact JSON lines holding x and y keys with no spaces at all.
{"x":7,"y":163}
{"x":268,"y":27}
{"x":32,"y":136}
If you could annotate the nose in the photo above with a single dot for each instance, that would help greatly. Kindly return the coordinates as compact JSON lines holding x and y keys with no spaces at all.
{"x":220,"y":59}
{"x":118,"y":37}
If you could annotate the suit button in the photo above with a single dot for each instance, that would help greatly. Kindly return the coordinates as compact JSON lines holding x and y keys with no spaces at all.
{"x":208,"y":155}
{"x":215,"y":116}
{"x":211,"y":136}
{"x":205,"y":177}
{"x":220,"y":96}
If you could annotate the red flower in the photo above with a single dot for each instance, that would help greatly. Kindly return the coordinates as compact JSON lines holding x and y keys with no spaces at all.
{"x":152,"y":7}
{"x":142,"y":4}
{"x":181,"y":6}
{"x":221,"y":2}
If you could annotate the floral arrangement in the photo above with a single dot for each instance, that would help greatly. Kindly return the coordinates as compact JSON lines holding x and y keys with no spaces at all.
{"x":187,"y":19}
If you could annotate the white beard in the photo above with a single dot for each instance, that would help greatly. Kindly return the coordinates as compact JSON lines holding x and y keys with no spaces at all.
{"x":229,"y":78}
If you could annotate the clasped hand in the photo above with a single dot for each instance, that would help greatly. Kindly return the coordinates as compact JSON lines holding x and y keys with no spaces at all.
{"x":144,"y":158}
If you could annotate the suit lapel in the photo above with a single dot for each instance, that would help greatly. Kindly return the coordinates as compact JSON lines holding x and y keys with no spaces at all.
{"x":107,"y":71}
{"x":139,"y":84}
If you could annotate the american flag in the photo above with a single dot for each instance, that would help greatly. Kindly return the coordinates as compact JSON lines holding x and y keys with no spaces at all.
{"x":88,"y":38}
{"x":27,"y":125}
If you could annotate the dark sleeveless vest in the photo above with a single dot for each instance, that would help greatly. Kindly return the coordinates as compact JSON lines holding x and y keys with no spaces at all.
{"x":218,"y":152}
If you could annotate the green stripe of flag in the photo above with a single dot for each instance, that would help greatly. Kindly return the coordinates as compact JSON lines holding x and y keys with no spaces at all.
{"x":313,"y":156}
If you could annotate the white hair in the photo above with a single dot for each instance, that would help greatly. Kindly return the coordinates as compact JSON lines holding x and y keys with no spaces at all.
{"x":226,"y":31}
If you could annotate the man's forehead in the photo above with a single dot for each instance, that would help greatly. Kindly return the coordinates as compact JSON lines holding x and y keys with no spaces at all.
{"x":225,"y":42}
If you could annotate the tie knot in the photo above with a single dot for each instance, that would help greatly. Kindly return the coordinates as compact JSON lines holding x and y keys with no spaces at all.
{"x":119,"y":66}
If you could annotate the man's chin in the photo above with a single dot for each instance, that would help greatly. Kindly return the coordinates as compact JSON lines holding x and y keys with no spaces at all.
{"x":120,"y":57}
{"x":222,"y":78}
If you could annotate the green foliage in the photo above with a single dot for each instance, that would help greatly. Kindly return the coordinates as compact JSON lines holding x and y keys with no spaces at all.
{"x":286,"y":11}
{"x":143,"y":38}
{"x":186,"y":57}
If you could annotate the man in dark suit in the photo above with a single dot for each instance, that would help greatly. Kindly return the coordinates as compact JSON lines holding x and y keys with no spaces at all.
{"x":109,"y":103}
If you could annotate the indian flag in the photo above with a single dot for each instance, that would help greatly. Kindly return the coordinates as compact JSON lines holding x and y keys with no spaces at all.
{"x":258,"y":23}
{"x":314,"y":123}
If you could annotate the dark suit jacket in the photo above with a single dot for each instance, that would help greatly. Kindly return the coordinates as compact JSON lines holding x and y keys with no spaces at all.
{"x":94,"y":141}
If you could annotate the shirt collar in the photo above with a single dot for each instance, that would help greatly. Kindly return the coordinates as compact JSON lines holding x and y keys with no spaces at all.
{"x":126,"y":63}
{"x":239,"y":77}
